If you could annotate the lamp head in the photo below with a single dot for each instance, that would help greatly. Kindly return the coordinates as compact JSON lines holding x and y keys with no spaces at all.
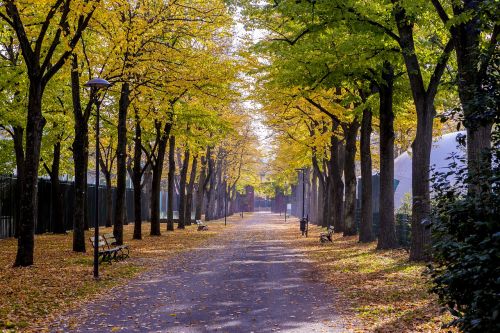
{"x":97,"y":83}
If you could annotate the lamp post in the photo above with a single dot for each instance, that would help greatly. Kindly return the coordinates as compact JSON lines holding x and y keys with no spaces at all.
{"x":95,"y":85}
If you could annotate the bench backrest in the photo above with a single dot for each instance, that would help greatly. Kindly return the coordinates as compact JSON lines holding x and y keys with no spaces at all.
{"x":110,"y":239}
{"x":101,"y":242}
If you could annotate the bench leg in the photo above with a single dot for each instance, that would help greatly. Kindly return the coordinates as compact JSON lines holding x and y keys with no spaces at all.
{"x":125,"y":253}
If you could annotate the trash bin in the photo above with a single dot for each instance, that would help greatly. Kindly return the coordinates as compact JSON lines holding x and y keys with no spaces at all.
{"x":303,"y":224}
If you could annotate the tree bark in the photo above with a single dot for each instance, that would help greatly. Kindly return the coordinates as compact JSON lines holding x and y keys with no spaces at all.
{"x":209,"y":215}
{"x":137,"y":178}
{"x":321,"y":200}
{"x":182,"y":190}
{"x":109,"y":200}
{"x":218,"y":206}
{"x":337,"y":185}
{"x":200,"y":192}
{"x":314,"y":199}
{"x":80,"y":158}
{"x":350,"y":179}
{"x":121,"y":164}
{"x":190,"y":188}
{"x":34,"y":131}
{"x":387,"y":232}
{"x":171,"y":189}
{"x":162,"y":136}
{"x":19,"y":151}
{"x":366,"y":224}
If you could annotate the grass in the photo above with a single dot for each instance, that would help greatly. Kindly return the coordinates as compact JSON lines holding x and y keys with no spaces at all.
{"x":380,"y":290}
{"x":32,"y":296}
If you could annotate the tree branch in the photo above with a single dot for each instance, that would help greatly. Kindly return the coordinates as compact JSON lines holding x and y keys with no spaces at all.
{"x":439,"y":70}
{"x":334,"y":118}
{"x":440,"y":10}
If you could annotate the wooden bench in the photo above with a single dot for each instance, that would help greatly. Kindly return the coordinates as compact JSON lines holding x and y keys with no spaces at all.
{"x":108,"y":250}
{"x":123,"y":251}
{"x":325,"y":237}
{"x":106,"y":254}
{"x":201,"y":226}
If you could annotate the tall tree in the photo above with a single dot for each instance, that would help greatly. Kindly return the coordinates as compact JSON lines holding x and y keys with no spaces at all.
{"x":474,"y":28}
{"x":423,"y":98}
{"x":40,"y":46}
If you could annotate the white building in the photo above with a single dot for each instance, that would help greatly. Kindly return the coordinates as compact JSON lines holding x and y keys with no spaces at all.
{"x":442,"y":148}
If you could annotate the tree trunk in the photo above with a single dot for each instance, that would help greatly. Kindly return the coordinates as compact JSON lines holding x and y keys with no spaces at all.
{"x":477,"y":103}
{"x":121,"y":164}
{"x":201,"y":187}
{"x":80,"y":158}
{"x":219,"y":191}
{"x":34,"y":131}
{"x":314,"y":199}
{"x":19,"y":151}
{"x":171,"y":189}
{"x":57,"y":200}
{"x":162,"y":136}
{"x":366,"y":225}
{"x":350,"y":179}
{"x":210,"y":190}
{"x":387,"y":232}
{"x":322,"y":201}
{"x":190,"y":188}
{"x":109,"y":199}
{"x":337,"y":185}
{"x":137,"y":178}
{"x":182,"y":190}
{"x":421,"y":209}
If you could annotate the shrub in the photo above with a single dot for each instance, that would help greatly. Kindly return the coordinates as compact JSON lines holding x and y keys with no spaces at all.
{"x":466,"y":244}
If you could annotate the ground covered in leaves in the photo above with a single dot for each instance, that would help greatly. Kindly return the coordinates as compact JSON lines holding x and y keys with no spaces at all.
{"x":60,"y":278}
{"x":383,"y":291}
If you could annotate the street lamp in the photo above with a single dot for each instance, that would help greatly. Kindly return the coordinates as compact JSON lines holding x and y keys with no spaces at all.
{"x":95,"y":85}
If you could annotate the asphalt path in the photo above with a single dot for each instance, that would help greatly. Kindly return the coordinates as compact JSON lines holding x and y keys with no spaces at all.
{"x":247,"y":280}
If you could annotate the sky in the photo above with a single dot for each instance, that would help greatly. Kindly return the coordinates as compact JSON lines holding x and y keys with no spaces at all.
{"x":263,"y":133}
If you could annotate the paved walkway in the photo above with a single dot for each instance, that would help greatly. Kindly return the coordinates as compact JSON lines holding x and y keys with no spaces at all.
{"x":248,"y":282}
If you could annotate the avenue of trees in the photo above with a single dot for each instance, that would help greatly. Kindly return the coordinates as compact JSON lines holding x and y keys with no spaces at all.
{"x":349,"y":85}
{"x":171,"y":113}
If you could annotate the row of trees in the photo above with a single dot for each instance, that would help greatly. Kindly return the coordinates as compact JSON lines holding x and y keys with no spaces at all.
{"x":173,"y":98}
{"x":337,"y":76}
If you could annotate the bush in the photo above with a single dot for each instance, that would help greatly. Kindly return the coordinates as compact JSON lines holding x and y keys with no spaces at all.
{"x":466,"y":244}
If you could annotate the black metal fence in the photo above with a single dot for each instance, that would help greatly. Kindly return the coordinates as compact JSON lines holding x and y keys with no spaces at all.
{"x":45,"y":221}
{"x":402,"y":226}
